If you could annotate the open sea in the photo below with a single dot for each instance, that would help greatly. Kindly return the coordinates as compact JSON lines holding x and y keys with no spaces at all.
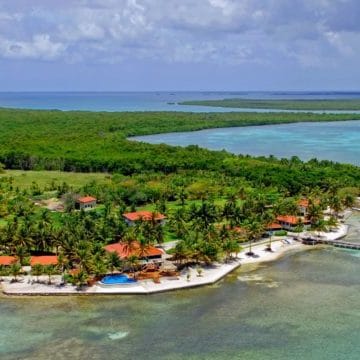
{"x":304,"y":306}
{"x":151,"y":101}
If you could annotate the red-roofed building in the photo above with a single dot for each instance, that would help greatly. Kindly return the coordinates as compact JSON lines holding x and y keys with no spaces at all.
{"x":144,"y":215}
{"x":289,"y":222}
{"x":124,"y":250}
{"x":303,"y":206}
{"x":86,"y":202}
{"x":7,"y":260}
{"x":273,"y":227}
{"x":44,"y":260}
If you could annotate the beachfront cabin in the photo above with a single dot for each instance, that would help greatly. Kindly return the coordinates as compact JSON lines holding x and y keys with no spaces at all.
{"x":303,"y":206}
{"x":6,"y":260}
{"x":85,"y":203}
{"x":44,"y":260}
{"x":149,"y":254}
{"x":290,"y":222}
{"x":271,"y":228}
{"x":133,"y":217}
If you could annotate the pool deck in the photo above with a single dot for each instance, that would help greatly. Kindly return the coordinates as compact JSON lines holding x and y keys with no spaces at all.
{"x":187,"y":279}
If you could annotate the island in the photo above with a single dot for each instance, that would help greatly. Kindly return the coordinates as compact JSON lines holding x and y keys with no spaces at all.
{"x":84,"y":210}
{"x":321,"y":105}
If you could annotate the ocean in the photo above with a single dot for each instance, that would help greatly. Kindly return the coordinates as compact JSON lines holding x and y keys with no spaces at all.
{"x":303,"y":306}
{"x":149,"y":101}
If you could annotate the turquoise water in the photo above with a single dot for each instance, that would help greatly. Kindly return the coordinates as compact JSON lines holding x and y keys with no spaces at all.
{"x":337,"y":141}
{"x":304,"y":306}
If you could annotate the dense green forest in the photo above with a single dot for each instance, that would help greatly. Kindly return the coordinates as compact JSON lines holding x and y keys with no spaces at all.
{"x":97,"y":142}
{"x":298,"y":104}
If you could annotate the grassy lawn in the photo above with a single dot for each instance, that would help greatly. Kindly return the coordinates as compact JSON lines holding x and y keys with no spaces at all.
{"x":23,"y":179}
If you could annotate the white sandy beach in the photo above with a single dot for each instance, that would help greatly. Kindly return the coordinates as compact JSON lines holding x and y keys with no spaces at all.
{"x":209,"y":275}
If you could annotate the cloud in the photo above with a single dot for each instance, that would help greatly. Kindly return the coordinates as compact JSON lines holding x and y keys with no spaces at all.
{"x":41,"y":47}
{"x":214,"y":31}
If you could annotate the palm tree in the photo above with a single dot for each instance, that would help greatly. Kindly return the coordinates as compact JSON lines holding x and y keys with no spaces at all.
{"x":268,"y":218}
{"x":182,"y":196}
{"x":133,"y":262}
{"x":37,"y":270}
{"x":113,"y":261}
{"x":143,"y":247}
{"x":15,"y":271}
{"x":99,"y":267}
{"x":332,"y":222}
{"x":4,"y":271}
{"x":83,"y":255}
{"x":254,"y":229}
{"x":319,"y":226}
{"x":9,"y":233}
{"x":315,"y":213}
{"x":349,"y":200}
{"x":21,"y":253}
{"x":230,"y":246}
{"x":23,"y":236}
{"x":43,"y":231}
{"x":159,"y":234}
{"x":205,"y":215}
{"x":80,"y":279}
{"x":58,"y":237}
{"x":335,"y":204}
{"x":49,"y":270}
{"x":178,"y":223}
{"x":229,"y":210}
{"x":207,"y":251}
{"x":181,"y":251}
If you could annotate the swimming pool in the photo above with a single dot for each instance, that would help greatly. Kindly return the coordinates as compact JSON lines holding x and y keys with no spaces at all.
{"x":117,"y":279}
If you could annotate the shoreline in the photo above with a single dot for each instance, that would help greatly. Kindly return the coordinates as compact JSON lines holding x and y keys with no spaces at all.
{"x":210,"y":275}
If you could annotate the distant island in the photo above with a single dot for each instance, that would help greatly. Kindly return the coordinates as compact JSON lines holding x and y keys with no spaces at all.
{"x":298,"y":104}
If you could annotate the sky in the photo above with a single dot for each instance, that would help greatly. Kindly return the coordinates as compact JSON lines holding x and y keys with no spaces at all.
{"x":144,"y":45}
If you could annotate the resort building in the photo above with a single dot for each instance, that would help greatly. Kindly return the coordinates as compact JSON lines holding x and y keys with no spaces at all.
{"x":270,"y":228}
{"x":44,"y":260}
{"x":145,"y":255}
{"x":133,"y":217}
{"x":85,"y":203}
{"x":7,"y":260}
{"x":303,"y":205}
{"x":290,"y":222}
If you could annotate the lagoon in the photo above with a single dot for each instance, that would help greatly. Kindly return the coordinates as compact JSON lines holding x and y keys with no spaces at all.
{"x":336,"y":141}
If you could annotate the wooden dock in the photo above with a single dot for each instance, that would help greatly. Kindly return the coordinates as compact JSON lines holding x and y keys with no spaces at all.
{"x":336,"y":243}
{"x":341,"y":244}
